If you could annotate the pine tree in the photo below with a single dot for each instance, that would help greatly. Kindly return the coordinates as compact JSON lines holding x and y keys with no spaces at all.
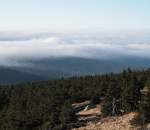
{"x":144,"y":107}
{"x":67,"y":114}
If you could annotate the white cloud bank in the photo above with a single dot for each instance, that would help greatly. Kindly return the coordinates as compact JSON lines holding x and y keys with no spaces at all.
{"x":85,"y":45}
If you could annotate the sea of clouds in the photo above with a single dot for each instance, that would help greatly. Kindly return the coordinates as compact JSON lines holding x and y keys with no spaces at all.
{"x":17,"y":47}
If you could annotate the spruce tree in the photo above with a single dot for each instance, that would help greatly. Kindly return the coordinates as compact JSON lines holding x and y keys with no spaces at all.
{"x":67,"y":114}
{"x":144,"y":107}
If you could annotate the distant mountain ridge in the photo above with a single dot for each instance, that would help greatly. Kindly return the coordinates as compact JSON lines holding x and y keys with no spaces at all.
{"x":11,"y":76}
{"x":54,"y":68}
{"x":81,"y":66}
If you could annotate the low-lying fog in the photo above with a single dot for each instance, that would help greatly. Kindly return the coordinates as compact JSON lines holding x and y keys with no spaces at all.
{"x":17,"y":47}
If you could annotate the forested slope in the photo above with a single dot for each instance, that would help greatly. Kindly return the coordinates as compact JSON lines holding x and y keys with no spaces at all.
{"x":47,"y":105}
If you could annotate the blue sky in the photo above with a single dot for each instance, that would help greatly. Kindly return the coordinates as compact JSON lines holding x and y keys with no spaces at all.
{"x":74,"y":14}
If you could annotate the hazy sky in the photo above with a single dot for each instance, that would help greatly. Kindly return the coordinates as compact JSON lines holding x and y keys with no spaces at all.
{"x":27,"y":29}
{"x":74,"y":14}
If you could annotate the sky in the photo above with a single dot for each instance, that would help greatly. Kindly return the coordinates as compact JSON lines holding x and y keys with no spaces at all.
{"x":74,"y":14}
{"x":101,"y":29}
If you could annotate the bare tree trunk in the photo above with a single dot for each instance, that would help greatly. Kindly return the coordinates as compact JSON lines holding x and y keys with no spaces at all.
{"x":143,"y":118}
{"x":113,"y":106}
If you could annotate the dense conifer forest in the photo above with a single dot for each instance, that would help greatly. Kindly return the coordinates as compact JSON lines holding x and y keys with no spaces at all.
{"x":47,"y":105}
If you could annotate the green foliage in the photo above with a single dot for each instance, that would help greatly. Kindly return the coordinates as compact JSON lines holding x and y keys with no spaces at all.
{"x":144,"y":106}
{"x":67,"y":114}
{"x":47,"y":105}
{"x":95,"y":99}
{"x":123,"y":93}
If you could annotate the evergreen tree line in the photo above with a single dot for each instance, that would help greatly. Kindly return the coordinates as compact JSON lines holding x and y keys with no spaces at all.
{"x":47,"y":105}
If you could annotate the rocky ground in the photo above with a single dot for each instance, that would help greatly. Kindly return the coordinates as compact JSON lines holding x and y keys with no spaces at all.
{"x":94,"y":121}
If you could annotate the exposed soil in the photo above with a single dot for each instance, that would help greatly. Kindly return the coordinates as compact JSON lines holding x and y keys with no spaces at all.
{"x":94,"y":121}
